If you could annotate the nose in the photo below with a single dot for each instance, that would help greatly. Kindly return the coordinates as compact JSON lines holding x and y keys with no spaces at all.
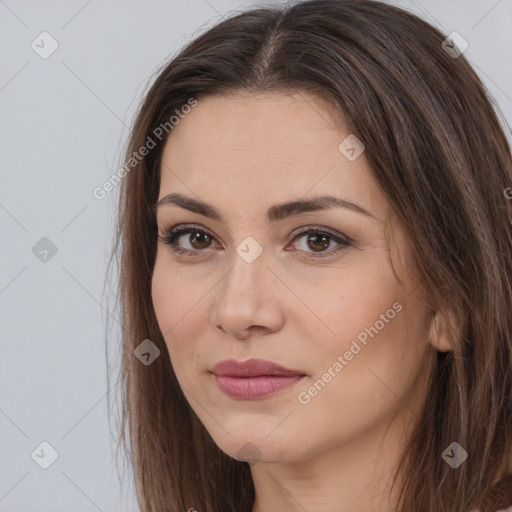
{"x":248,"y":299}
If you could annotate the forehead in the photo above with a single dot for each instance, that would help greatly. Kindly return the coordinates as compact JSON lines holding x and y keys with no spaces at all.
{"x":252,"y":127}
{"x":265,"y":147}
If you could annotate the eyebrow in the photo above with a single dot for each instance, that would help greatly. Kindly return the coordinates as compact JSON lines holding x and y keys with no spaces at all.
{"x":274,"y":213}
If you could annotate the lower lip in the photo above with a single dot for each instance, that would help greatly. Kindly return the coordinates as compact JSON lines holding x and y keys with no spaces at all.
{"x":254,"y":387}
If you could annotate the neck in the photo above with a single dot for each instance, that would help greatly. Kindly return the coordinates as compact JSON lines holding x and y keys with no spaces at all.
{"x":356,"y":476}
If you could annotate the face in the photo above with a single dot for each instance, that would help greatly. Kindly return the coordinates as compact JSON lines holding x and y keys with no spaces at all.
{"x":309,"y":289}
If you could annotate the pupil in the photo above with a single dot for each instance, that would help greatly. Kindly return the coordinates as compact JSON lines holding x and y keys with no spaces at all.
{"x":325,"y":241}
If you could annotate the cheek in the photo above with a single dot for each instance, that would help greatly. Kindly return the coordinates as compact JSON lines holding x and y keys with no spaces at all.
{"x":369,"y":369}
{"x":351,"y":301}
{"x":177,"y":306}
{"x":374,"y":323}
{"x":164,"y":294}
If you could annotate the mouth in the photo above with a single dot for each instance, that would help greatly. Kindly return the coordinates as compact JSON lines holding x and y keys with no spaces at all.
{"x":255,"y":378}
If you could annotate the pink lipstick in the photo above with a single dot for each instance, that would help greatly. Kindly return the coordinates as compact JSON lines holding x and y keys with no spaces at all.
{"x":255,"y":378}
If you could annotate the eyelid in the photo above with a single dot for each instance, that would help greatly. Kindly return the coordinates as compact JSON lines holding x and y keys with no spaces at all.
{"x":323,"y":230}
{"x":179,"y":230}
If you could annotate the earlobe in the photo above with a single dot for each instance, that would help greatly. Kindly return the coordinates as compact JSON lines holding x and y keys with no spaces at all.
{"x":441,"y":337}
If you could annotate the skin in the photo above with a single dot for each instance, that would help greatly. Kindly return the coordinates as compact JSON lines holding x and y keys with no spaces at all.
{"x":243,"y":154}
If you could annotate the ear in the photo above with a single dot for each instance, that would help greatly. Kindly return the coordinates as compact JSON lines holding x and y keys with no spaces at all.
{"x":441,"y":337}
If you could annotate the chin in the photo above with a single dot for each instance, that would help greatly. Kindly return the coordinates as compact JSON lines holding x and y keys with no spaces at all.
{"x":258,"y":447}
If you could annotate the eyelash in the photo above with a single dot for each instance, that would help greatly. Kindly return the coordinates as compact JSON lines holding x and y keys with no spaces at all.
{"x":175,"y":232}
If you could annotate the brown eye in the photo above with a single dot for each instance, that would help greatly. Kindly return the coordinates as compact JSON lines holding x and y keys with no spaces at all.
{"x":187,"y":239}
{"x":318,"y":242}
{"x":201,"y":239}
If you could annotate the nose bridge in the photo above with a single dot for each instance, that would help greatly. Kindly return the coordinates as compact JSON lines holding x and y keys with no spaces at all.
{"x":243,"y":297}
{"x":247,"y":271}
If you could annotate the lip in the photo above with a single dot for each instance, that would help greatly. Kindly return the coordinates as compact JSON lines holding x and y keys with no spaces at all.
{"x":254,"y":378}
{"x":252,"y":368}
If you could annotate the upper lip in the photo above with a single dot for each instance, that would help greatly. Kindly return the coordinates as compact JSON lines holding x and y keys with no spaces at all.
{"x":252,"y":368}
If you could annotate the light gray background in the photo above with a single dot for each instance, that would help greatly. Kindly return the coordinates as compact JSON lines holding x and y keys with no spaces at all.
{"x":63,"y":124}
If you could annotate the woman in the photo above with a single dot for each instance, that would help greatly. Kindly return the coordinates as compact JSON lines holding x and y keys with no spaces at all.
{"x":316,"y":258}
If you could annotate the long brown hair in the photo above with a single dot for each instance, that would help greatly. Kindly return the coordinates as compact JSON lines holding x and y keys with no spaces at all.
{"x":436,"y":148}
